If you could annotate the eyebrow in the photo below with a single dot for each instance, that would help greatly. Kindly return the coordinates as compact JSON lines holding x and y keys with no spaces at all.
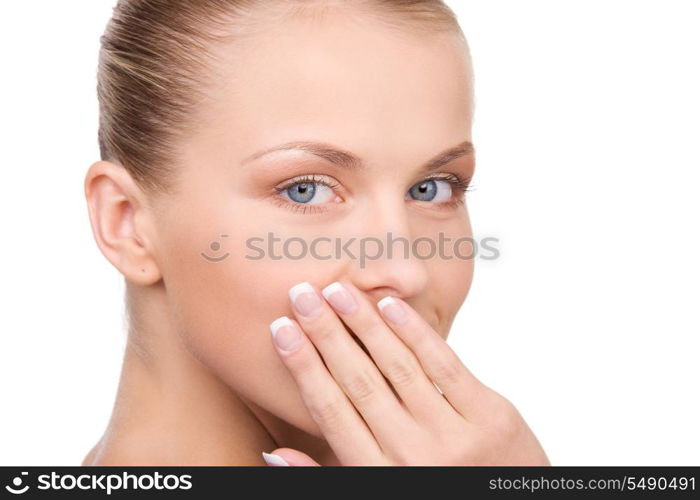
{"x":347,"y":160}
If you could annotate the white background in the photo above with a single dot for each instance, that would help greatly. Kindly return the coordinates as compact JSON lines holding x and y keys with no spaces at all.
{"x":587,"y":133}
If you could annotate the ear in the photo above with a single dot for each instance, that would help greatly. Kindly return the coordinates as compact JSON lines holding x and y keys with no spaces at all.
{"x":120,"y":222}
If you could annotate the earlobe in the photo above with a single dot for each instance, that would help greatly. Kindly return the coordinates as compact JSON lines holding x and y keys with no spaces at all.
{"x":120,"y":222}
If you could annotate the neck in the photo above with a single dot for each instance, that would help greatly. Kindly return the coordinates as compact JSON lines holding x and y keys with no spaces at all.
{"x":170,"y":409}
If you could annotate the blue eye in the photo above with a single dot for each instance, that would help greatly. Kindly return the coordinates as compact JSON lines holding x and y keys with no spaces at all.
{"x":432,"y":190}
{"x":308,"y":191}
{"x":302,"y":193}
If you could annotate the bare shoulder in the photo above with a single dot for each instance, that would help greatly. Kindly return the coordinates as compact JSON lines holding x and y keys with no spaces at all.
{"x":91,"y":456}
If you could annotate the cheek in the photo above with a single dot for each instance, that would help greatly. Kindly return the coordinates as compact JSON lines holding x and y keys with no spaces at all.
{"x":222,"y":311}
{"x":458,"y":289}
{"x":451,"y":281}
{"x":451,"y":275}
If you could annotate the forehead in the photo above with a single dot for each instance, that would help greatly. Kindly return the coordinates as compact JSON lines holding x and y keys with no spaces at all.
{"x":344,"y":81}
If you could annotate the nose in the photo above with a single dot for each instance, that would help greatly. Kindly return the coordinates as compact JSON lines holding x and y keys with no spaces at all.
{"x":386,"y":263}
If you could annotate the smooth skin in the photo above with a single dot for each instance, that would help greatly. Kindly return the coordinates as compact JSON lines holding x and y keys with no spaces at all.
{"x":201,"y":381}
{"x":364,"y":420}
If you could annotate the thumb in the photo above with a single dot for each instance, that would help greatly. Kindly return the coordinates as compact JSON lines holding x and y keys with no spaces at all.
{"x":288,"y":456}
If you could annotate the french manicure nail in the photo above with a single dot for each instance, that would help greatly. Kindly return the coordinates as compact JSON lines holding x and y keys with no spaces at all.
{"x":392,"y":310}
{"x":274,"y":460}
{"x":340,"y":298}
{"x":285,"y":333}
{"x":305,"y":299}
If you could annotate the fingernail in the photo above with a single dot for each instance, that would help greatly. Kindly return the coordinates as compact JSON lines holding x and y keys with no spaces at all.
{"x":392,"y":310}
{"x":340,"y":298}
{"x":274,"y":460}
{"x":305,"y":299}
{"x":285,"y":334}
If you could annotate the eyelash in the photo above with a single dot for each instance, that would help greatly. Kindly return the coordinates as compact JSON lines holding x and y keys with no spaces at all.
{"x":457,"y":182}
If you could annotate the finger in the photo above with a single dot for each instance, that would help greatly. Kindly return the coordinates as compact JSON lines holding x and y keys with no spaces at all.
{"x":343,"y":428}
{"x":458,"y":385}
{"x":396,"y":361}
{"x":282,"y":457}
{"x":354,"y":371}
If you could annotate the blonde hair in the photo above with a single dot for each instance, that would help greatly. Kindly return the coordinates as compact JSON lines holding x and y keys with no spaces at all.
{"x":154,"y":61}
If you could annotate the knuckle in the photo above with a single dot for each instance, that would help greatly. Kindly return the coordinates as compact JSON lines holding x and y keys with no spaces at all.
{"x":506,"y":418}
{"x":326,"y":412}
{"x":361,"y":386}
{"x":447,"y":373}
{"x":401,"y":372}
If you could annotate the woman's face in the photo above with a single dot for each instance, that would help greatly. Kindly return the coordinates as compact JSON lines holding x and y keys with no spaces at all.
{"x":395,"y":101}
